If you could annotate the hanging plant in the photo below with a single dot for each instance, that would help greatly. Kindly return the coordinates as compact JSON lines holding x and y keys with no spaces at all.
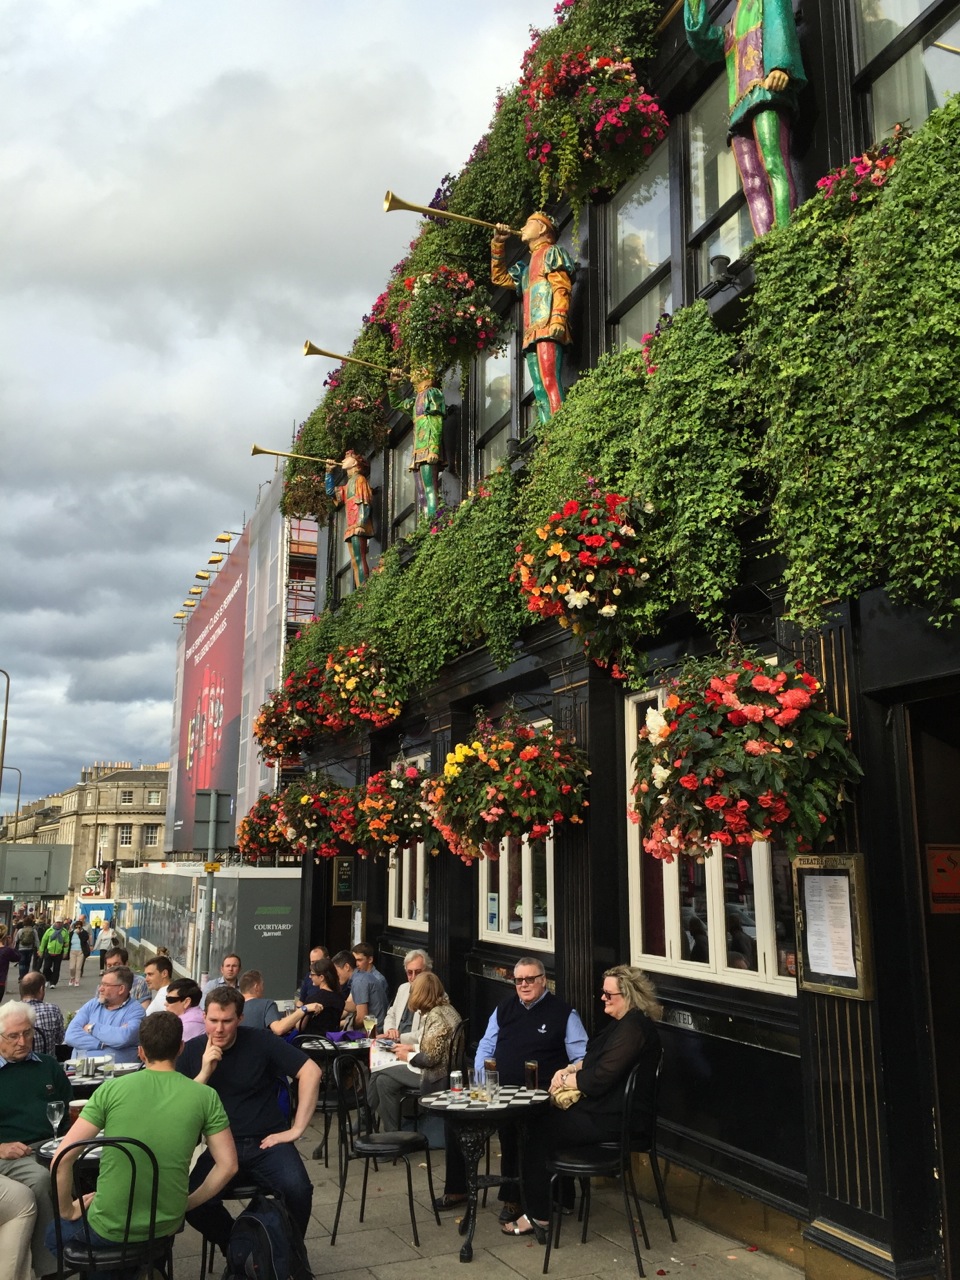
{"x":585,"y":566}
{"x":316,"y":816}
{"x":447,"y":319}
{"x":510,"y":780}
{"x":391,"y":812}
{"x":590,"y":124}
{"x":741,"y":752}
{"x":258,"y":835}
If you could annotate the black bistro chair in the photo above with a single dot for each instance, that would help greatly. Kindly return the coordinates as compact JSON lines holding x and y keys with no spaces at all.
{"x":327,"y":1098}
{"x":351,"y":1077}
{"x":74,"y":1257}
{"x":600,"y":1160}
{"x":410,"y":1098}
{"x":236,"y":1189}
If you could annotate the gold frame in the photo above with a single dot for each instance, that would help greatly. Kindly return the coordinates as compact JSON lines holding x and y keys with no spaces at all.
{"x":850,"y":866}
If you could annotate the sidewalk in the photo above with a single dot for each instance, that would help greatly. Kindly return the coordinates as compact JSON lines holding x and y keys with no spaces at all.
{"x":381,"y":1247}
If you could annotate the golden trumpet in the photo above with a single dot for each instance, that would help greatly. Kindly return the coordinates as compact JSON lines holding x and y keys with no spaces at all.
{"x":302,"y":457}
{"x":392,"y":202}
{"x":310,"y":350}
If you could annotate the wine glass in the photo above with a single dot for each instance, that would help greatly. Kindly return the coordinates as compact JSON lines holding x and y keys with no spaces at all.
{"x":369,"y":1024}
{"x":55,"y":1112}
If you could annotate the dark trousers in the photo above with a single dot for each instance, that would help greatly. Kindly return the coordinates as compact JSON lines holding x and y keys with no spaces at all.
{"x":51,"y":969}
{"x":558,"y":1131}
{"x":278,"y":1169}
{"x":26,"y":962}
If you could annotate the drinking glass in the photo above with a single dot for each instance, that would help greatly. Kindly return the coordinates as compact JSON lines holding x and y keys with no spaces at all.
{"x":369,"y":1024}
{"x":55,"y":1112}
{"x":107,"y":1064}
{"x":476,"y":1083}
{"x":493,"y":1087}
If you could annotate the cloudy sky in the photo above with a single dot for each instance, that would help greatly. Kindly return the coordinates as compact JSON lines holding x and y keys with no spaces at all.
{"x":188,"y":189}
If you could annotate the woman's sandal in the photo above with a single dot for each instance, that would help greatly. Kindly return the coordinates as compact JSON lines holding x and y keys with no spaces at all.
{"x":533,"y":1228}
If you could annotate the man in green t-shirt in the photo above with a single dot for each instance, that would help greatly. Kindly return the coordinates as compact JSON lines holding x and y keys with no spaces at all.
{"x":166,"y":1111}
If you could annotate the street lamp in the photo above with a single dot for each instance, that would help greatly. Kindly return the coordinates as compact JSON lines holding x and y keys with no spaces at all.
{"x":6,"y":708}
{"x":12,"y":768}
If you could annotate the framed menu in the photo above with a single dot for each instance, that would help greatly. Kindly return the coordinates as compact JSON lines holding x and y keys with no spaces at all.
{"x":833,"y":939}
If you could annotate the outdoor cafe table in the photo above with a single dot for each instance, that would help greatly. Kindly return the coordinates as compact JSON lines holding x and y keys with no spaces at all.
{"x":474,"y":1123}
{"x":323,"y":1051}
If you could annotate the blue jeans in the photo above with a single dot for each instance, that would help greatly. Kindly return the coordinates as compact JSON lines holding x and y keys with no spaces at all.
{"x":278,"y":1169}
{"x":73,"y":1232}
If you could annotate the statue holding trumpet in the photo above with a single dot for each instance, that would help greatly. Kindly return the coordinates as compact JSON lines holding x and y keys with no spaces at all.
{"x":427,"y":408}
{"x":356,"y":497}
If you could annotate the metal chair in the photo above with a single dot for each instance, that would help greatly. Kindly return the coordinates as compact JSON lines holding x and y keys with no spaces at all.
{"x":76,"y":1256}
{"x":600,"y":1160}
{"x":351,"y":1079}
{"x":327,"y":1099}
{"x":410,"y":1098}
{"x":234,"y":1190}
{"x":648,"y":1146}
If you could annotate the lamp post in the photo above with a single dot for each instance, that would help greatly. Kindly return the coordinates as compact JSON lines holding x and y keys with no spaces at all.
{"x":6,"y":708}
{"x":12,"y":768}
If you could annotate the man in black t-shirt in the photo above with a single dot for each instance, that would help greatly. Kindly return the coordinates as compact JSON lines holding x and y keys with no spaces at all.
{"x":248,"y":1069}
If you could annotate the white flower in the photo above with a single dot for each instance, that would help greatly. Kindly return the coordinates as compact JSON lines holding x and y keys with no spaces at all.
{"x":648,"y":507}
{"x":577,"y":599}
{"x":656,"y":725}
{"x":627,"y":530}
{"x":660,"y":773}
{"x":608,"y":611}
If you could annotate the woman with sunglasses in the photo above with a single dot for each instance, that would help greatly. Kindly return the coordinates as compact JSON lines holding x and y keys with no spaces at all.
{"x":184,"y":998}
{"x":630,"y":1001}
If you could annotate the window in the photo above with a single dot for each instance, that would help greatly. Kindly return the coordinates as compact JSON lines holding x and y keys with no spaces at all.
{"x":126,"y":797}
{"x":920,"y":80}
{"x":102,"y":837}
{"x":718,"y":209}
{"x":151,"y":835}
{"x":154,"y":796}
{"x":245,"y":742}
{"x":409,"y":889}
{"x":495,"y":389}
{"x":342,"y":564}
{"x":403,"y":490}
{"x":640,"y":286}
{"x":516,"y":895}
{"x":728,"y":919}
{"x":90,"y":799}
{"x":125,"y":835}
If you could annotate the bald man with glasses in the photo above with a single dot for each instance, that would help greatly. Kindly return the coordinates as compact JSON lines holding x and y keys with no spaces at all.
{"x":533,"y":1025}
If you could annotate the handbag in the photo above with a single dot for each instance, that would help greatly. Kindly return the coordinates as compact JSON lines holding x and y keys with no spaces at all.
{"x":565,"y":1098}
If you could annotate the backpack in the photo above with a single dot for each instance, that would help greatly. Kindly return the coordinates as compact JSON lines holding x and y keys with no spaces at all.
{"x":27,"y":938}
{"x":265,"y":1243}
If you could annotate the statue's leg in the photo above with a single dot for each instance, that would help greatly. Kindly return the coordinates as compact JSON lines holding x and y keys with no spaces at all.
{"x":358,"y":559}
{"x":550,"y":359}
{"x":746,"y":152}
{"x":429,"y":475}
{"x":539,"y":391}
{"x":772,"y":132}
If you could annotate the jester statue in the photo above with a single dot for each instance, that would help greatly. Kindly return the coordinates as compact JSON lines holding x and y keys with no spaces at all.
{"x":545,"y":284}
{"x":356,"y":498}
{"x":427,"y":408}
{"x":764,"y":78}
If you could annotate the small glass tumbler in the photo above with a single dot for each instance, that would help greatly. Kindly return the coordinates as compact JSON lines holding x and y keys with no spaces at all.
{"x":477,"y":1080}
{"x":493,"y":1087}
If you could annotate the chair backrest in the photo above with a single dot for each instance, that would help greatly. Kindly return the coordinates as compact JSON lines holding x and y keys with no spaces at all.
{"x":350,"y":1076}
{"x":635,"y":1097}
{"x":457,"y":1044}
{"x":135,"y":1153}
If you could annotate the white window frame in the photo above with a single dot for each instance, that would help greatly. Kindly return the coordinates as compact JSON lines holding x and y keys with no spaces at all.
{"x":126,"y":796}
{"x":524,"y":939}
{"x":766,"y":976}
{"x":151,"y":835}
{"x":402,"y":862}
{"x":155,"y":795}
{"x":125,"y":835}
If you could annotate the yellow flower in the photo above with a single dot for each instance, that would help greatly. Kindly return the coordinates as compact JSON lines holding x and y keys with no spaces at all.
{"x":450,"y":771}
{"x":352,"y":682}
{"x":554,"y":548}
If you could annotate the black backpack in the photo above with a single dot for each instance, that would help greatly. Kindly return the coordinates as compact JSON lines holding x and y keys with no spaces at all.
{"x":265,"y":1243}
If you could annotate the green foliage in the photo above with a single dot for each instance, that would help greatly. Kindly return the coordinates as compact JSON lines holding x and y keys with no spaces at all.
{"x":627,"y":25}
{"x":455,"y":593}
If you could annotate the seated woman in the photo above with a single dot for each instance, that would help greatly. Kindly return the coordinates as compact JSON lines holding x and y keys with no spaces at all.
{"x":630,"y":1000}
{"x":440,"y":1021}
{"x":323,"y":1012}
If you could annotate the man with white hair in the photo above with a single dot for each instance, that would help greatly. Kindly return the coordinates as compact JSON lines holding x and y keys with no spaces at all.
{"x":28,"y":1081}
{"x":399,"y":1023}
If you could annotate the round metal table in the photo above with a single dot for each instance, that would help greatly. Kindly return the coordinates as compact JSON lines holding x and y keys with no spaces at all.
{"x":473,"y":1123}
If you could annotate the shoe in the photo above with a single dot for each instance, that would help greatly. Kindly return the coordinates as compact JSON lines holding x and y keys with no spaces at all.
{"x":533,"y":1228}
{"x":509,"y":1213}
{"x":449,"y":1202}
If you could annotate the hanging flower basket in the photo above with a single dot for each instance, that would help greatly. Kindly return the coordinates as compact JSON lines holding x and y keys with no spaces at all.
{"x":391,"y":811}
{"x":590,"y":125}
{"x":741,"y":752}
{"x":585,"y":566}
{"x":258,"y":835}
{"x":447,"y":319}
{"x":351,"y":691}
{"x":317,"y":817}
{"x":512,"y":780}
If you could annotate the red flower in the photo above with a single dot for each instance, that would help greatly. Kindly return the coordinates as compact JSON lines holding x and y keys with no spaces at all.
{"x":736,"y":718}
{"x":690,"y":781}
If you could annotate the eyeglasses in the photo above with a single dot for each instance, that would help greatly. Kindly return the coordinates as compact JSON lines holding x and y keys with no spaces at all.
{"x":110,"y":985}
{"x":414,"y":973}
{"x":525,"y":981}
{"x":18,"y":1035}
{"x":609,"y":995}
{"x":174,"y":999}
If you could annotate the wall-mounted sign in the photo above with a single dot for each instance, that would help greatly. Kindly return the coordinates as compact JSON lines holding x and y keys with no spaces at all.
{"x":833,"y":940}
{"x":93,"y":876}
{"x":943,"y":877}
{"x":343,"y":869}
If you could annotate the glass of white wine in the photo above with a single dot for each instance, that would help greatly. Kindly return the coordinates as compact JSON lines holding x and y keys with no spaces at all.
{"x":369,"y":1024}
{"x":55,"y":1111}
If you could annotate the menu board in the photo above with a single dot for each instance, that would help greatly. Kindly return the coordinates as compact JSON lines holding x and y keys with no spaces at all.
{"x":832,"y":928}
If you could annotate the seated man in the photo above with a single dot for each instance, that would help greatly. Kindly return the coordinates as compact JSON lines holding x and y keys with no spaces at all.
{"x":165,"y":1111}
{"x":185,"y":999}
{"x":110,"y":1022}
{"x":157,"y":974}
{"x":48,"y":1029}
{"x":246,"y":1068}
{"x":119,"y":958}
{"x":400,"y":1023}
{"x":28,"y":1081}
{"x":369,"y":992}
{"x":258,"y":1012}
